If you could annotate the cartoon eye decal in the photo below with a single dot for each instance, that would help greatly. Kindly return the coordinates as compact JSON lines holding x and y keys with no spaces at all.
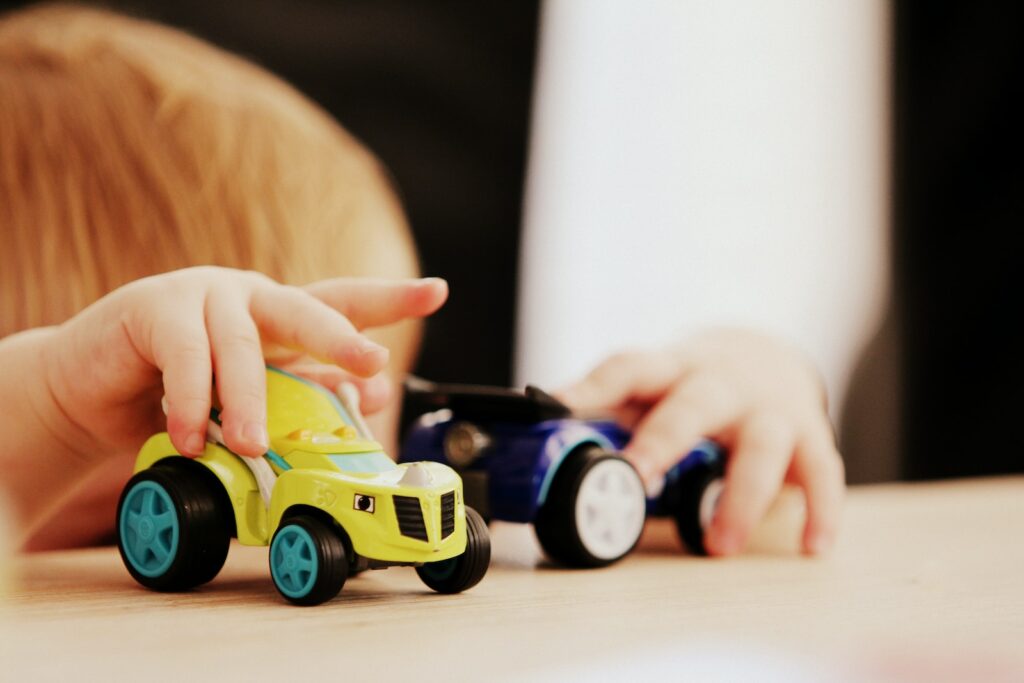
{"x":364,"y":503}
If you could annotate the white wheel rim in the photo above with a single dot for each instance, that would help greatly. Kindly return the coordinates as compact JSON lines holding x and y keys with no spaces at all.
{"x":610,"y":509}
{"x":709,"y":502}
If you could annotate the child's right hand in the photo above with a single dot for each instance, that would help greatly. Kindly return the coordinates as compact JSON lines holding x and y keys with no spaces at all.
{"x":168,"y":335}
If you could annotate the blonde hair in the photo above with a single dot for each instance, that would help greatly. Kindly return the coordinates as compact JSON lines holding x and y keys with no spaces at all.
{"x":128,"y":148}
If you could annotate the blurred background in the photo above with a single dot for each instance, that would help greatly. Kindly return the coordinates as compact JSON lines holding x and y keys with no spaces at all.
{"x":596,"y":174}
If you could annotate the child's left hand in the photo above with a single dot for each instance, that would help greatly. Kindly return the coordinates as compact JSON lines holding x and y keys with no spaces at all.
{"x":762,"y":400}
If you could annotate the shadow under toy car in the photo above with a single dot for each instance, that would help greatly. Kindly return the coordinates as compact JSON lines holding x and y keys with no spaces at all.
{"x":326,"y":499}
{"x":524,"y":458}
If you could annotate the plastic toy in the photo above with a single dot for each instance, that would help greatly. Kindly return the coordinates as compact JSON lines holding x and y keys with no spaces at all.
{"x":524,"y":458}
{"x":325,"y":498}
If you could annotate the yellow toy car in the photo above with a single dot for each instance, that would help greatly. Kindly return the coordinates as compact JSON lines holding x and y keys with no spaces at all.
{"x":325,"y":497}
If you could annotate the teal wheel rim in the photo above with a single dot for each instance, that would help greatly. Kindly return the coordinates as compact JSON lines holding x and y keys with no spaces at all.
{"x":149,"y":529}
{"x":440,"y":571}
{"x":293,"y":561}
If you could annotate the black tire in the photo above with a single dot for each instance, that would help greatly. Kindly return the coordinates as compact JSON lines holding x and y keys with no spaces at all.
{"x":466,"y":570}
{"x":196,"y":541}
{"x":557,"y":527}
{"x":322,"y":545}
{"x":685,"y":502}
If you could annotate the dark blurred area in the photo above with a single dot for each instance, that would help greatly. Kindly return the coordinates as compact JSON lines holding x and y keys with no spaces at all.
{"x":939,"y":391}
{"x":958,"y":209}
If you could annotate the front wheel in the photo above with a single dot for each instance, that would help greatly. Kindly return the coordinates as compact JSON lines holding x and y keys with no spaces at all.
{"x":307,"y":560}
{"x":463,"y":571}
{"x":173,"y":526}
{"x":594,"y":512}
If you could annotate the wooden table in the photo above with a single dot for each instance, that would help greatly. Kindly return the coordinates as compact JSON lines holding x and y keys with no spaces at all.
{"x":927,"y":583}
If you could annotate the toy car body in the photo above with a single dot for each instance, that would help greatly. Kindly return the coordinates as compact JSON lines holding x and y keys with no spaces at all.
{"x":524,"y":458}
{"x":335,"y":504}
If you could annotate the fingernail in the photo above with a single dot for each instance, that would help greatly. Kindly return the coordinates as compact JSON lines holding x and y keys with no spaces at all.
{"x":655,"y":487}
{"x":367,"y":347}
{"x":652,"y":481}
{"x":724,"y":543}
{"x":195,"y":444}
{"x":374,"y":355}
{"x":256,"y":434}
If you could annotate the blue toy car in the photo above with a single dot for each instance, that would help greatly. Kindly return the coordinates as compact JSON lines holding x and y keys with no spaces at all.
{"x":524,"y":458}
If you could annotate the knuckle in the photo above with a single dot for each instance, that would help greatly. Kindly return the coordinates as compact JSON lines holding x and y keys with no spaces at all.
{"x":290,"y":290}
{"x":626,"y":357}
{"x":189,"y":407}
{"x":204,"y":270}
{"x":246,"y":399}
{"x":711,"y":392}
{"x":202,"y":274}
{"x":241,"y":341}
{"x":769,"y":429}
{"x":748,"y":481}
{"x":257,"y":278}
{"x":619,"y":363}
{"x":606,"y":374}
{"x":188,"y":351}
{"x":653,"y":443}
{"x":673,"y":435}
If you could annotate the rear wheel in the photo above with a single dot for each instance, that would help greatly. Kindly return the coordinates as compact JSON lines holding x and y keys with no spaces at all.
{"x":466,"y":570}
{"x":173,"y":526}
{"x":594,"y":512}
{"x":307,"y":560}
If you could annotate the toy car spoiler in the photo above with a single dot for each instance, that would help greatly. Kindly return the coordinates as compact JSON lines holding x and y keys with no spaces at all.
{"x":475,"y":402}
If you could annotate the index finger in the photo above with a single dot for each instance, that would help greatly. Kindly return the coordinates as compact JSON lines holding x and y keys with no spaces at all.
{"x":374,"y":302}
{"x":625,"y":376}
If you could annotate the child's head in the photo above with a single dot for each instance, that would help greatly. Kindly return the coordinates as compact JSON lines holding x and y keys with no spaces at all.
{"x":128,"y":148}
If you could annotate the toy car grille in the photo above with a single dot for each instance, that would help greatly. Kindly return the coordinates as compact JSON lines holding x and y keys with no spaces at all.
{"x":410,"y":517}
{"x":447,"y":514}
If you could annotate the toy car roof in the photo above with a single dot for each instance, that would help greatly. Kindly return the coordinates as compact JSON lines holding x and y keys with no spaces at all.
{"x":474,"y":402}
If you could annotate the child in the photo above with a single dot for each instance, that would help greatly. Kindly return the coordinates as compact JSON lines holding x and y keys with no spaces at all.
{"x":130,"y":150}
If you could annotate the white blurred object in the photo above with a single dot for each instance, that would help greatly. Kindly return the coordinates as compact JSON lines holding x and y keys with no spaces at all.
{"x":704,"y":163}
{"x":514,"y":545}
{"x":702,"y":659}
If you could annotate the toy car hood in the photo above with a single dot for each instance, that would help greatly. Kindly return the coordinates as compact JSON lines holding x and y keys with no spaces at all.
{"x":340,"y":441}
{"x":420,"y":475}
{"x":416,"y":478}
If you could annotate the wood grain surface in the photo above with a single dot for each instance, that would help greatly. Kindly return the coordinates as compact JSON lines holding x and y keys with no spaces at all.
{"x":926,"y":583}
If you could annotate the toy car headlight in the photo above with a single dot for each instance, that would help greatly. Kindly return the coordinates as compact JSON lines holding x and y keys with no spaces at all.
{"x":463,"y":443}
{"x":364,"y":503}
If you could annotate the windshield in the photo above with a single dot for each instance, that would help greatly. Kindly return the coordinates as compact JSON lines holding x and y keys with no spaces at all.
{"x":364,"y":463}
